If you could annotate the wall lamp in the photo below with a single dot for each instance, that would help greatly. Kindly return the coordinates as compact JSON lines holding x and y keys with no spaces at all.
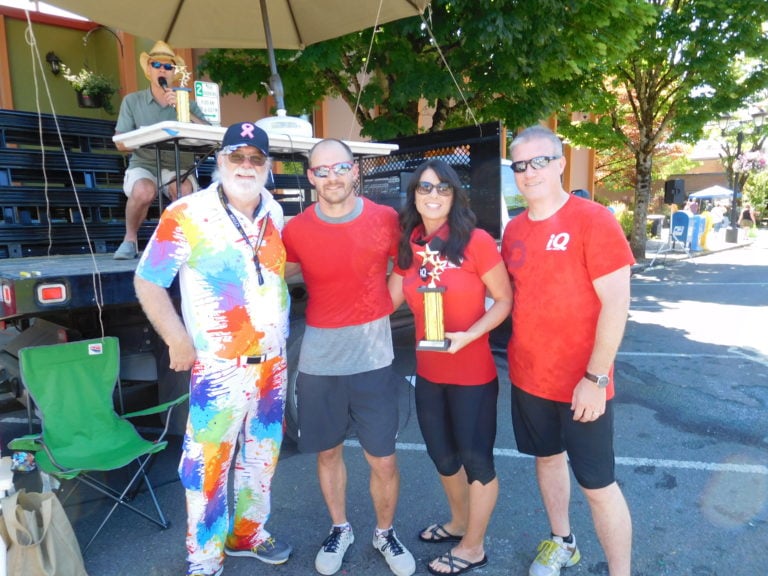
{"x":54,"y":62}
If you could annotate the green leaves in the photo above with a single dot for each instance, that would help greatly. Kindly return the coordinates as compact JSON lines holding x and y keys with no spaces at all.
{"x":514,"y":60}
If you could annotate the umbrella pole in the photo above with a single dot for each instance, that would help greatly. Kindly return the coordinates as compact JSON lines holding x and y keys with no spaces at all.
{"x":275,"y":83}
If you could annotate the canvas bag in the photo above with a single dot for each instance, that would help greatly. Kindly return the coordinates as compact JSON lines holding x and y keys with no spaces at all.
{"x":39,"y":537}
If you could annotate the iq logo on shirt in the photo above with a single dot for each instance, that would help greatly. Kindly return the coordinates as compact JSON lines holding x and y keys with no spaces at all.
{"x":559,"y":241}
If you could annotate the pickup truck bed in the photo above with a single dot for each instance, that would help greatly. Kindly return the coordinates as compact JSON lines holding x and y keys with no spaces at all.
{"x":40,"y":284}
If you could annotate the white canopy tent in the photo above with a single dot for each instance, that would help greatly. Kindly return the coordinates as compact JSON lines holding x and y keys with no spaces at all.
{"x":712,"y":192}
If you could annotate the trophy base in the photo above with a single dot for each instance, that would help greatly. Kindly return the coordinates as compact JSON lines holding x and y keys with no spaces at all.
{"x":434,"y":345}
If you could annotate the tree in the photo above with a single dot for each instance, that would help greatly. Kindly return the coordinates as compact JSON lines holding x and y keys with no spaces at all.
{"x":517,"y":61}
{"x":742,"y":151}
{"x":696,"y":60}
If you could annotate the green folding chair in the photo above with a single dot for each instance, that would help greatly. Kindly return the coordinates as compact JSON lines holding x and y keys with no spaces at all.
{"x":72,"y":385}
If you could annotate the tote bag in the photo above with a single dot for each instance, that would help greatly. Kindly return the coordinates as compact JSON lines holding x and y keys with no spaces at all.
{"x":39,"y":537}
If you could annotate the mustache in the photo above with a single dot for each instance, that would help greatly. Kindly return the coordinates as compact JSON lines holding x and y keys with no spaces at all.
{"x":245,"y":172}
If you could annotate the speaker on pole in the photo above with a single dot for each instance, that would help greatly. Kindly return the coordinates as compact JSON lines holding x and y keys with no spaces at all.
{"x":674,"y":191}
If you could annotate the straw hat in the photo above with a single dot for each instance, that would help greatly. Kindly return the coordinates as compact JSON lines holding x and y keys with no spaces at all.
{"x":162,"y":53}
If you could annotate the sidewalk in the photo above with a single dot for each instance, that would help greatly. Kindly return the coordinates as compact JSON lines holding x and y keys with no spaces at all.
{"x":660,"y":252}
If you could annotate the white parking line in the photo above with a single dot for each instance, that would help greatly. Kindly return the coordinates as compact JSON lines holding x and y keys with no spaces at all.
{"x":676,"y":355}
{"x":658,"y":463}
{"x":510,"y":453}
{"x":737,"y":353}
{"x":703,"y":284}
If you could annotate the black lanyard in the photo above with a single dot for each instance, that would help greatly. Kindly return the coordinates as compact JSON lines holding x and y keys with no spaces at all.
{"x":262,"y":230}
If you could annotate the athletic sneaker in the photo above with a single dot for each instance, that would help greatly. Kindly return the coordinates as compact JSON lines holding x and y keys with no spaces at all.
{"x":554,"y":554}
{"x":328,"y":560}
{"x":400,"y":561}
{"x":270,"y":551}
{"x":126,"y":251}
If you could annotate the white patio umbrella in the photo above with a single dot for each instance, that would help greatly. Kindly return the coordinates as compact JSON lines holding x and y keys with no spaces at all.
{"x":270,"y":24}
{"x":712,"y":192}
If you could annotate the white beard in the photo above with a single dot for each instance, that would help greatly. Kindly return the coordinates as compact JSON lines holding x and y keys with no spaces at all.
{"x":244,"y":190}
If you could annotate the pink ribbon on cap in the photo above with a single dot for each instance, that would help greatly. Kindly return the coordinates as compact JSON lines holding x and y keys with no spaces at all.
{"x":247,"y":131}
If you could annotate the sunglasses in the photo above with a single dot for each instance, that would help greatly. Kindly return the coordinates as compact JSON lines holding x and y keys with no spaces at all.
{"x":442,"y":188}
{"x":340,"y":168}
{"x":157,"y":65}
{"x":536,"y":163}
{"x":255,"y":159}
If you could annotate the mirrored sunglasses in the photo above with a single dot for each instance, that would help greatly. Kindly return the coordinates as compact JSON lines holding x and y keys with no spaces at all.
{"x":536,"y":163}
{"x":157,"y":65}
{"x":340,"y":168}
{"x":442,"y":188}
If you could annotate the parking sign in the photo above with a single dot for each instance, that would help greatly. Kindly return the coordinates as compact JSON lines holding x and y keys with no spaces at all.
{"x":207,"y":97}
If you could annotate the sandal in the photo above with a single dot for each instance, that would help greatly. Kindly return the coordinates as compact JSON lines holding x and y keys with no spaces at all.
{"x":456,"y":565}
{"x":437,"y":533}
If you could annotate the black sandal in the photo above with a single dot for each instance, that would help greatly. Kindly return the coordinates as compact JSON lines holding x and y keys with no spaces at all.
{"x":437,"y":533}
{"x":456,"y":565}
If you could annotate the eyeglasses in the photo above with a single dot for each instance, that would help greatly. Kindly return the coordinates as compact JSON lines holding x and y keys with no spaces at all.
{"x":442,"y":188}
{"x":255,"y":159}
{"x":340,"y":168}
{"x":536,"y":163}
{"x":157,"y":65}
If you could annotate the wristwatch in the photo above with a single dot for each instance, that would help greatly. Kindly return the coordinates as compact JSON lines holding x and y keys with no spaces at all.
{"x":600,"y":379}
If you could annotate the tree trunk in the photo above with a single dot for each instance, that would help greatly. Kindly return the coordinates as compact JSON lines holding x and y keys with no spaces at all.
{"x":643,"y":167}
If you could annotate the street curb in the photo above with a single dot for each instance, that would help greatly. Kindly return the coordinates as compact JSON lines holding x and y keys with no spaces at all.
{"x":680,"y":256}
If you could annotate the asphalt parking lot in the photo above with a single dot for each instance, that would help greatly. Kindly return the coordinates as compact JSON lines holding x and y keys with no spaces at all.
{"x":691,"y":443}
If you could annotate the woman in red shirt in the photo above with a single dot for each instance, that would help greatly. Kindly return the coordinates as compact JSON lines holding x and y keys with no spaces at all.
{"x":456,"y":389}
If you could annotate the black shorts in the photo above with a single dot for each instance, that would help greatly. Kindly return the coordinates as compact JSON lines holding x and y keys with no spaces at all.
{"x":546,"y":428}
{"x":458,"y":424}
{"x":329,"y":405}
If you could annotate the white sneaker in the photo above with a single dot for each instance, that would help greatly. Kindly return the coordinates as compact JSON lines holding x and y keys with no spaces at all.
{"x":126,"y":251}
{"x":554,"y":554}
{"x":400,"y":561}
{"x":328,"y":560}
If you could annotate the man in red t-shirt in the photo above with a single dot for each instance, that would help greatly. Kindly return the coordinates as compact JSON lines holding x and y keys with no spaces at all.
{"x":570,"y":267}
{"x":342,"y":245}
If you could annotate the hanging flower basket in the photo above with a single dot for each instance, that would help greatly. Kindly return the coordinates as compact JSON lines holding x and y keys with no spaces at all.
{"x":93,"y":90}
{"x":88,"y":101}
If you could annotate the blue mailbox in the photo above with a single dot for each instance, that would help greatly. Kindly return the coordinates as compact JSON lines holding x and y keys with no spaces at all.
{"x":680,"y":228}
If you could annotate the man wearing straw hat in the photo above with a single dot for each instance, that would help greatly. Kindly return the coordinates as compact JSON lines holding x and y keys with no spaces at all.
{"x":162,"y":66}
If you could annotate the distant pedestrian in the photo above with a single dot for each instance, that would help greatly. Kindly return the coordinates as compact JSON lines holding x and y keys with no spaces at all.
{"x":581,"y":193}
{"x":748,"y":217}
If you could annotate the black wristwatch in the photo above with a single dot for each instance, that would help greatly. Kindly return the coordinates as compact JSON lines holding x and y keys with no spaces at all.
{"x":600,"y":379}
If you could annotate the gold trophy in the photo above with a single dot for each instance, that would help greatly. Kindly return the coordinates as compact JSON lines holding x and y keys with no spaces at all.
{"x":434,"y":329}
{"x":182,"y":94}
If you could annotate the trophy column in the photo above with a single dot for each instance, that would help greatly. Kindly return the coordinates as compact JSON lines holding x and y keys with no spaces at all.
{"x":434,"y":330}
{"x":432,"y":266}
{"x":182,"y":104}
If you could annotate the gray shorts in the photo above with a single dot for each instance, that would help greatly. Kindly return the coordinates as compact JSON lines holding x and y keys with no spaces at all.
{"x":132,"y":175}
{"x":329,"y":406}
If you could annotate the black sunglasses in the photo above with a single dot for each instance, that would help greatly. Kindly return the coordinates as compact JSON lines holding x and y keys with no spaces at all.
{"x":442,"y":188}
{"x":536,"y":163}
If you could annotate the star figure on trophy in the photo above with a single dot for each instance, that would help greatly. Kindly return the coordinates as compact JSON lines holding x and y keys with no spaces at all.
{"x":182,"y":93}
